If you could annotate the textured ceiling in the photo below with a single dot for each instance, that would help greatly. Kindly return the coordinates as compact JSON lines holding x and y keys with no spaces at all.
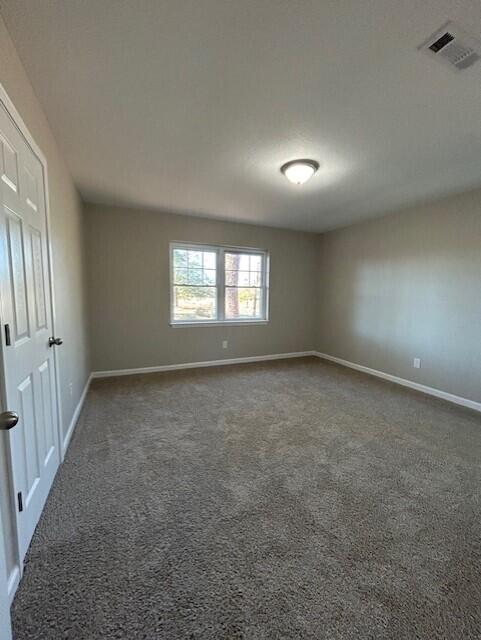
{"x":192,"y":106}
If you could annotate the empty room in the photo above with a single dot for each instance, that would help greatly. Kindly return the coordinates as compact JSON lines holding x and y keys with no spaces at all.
{"x":240,"y":309}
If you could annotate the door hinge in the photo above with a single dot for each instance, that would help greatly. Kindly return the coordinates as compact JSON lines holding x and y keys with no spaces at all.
{"x":20,"y":501}
{"x":8,"y":340}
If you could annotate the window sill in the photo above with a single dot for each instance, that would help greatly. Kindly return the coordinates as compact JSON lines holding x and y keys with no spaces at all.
{"x":216,"y":323}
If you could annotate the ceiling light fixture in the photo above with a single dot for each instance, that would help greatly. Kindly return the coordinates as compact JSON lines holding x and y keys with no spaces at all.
{"x":299,"y":171}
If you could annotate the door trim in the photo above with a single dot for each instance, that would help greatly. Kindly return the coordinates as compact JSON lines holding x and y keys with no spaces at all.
{"x":5,"y":599}
{"x":14,"y":578}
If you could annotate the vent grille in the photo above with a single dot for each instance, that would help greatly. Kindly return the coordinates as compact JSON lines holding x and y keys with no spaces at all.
{"x":454,"y":46}
{"x":445,"y":39}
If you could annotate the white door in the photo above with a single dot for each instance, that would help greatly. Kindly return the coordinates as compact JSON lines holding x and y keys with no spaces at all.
{"x":26,"y":327}
{"x":5,"y":633}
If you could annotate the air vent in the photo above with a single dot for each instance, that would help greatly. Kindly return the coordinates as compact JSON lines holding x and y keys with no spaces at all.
{"x":454,"y":46}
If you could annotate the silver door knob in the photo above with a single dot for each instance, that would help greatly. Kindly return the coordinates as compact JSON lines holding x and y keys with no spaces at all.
{"x":8,"y":419}
{"x":52,"y":341}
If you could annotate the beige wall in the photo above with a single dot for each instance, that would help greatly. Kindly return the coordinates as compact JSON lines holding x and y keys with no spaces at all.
{"x":128,"y":256}
{"x":407,"y":285}
{"x":67,"y":244}
{"x":386,"y":291}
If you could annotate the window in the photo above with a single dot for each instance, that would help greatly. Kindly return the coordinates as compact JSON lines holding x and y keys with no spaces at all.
{"x":218,"y":284}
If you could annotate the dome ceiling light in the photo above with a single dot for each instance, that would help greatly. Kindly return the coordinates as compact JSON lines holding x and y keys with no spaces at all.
{"x":299,"y":171}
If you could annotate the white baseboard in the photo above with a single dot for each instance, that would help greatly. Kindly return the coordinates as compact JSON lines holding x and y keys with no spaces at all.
{"x":196,"y":365}
{"x":75,"y":417}
{"x":450,"y":397}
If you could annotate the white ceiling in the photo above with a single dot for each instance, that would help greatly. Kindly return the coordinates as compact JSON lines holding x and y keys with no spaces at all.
{"x":192,"y":106}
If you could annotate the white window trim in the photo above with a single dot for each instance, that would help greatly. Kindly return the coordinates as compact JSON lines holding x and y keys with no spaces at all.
{"x":220,"y":250}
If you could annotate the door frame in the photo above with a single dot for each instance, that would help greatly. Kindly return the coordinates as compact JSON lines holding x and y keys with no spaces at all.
{"x":24,"y":131}
{"x":6,"y":629}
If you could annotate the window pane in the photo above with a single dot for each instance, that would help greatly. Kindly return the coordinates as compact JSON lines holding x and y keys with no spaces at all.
{"x":242,"y":302}
{"x":231,"y":278}
{"x":194,"y":303}
{"x":180,"y":258}
{"x":181,"y":276}
{"x":209,"y":277}
{"x":210,"y":260}
{"x":231,"y":261}
{"x":244,"y":262}
{"x":237,"y":278}
{"x":255,"y":279}
{"x":255,"y":263}
{"x":191,"y":267}
{"x":195,"y":277}
{"x":195,"y":259}
{"x":243,"y":278}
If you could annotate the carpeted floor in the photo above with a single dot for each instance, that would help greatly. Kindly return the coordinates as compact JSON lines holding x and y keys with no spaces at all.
{"x":291,"y":499}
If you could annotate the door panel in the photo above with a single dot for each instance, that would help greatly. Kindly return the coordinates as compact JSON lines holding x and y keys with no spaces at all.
{"x":28,"y":360}
{"x":9,"y":165}
{"x":16,"y":259}
{"x":29,"y":446}
{"x":31,"y":195}
{"x":46,"y":393}
{"x":38,"y":279}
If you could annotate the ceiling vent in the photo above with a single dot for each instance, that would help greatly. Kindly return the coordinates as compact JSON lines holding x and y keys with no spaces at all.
{"x":454,"y":46}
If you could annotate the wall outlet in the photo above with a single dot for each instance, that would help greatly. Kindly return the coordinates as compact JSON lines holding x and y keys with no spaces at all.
{"x":417,"y":363}
{"x":225,"y":344}
{"x":70,"y":388}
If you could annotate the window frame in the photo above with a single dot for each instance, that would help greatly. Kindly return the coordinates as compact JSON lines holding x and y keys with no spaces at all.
{"x":220,"y":286}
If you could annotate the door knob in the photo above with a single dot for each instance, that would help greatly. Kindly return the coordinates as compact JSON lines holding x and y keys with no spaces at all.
{"x":52,"y":341}
{"x":8,"y":419}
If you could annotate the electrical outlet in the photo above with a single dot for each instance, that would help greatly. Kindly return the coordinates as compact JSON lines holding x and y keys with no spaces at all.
{"x":417,"y":363}
{"x":70,"y":388}
{"x":225,"y":344}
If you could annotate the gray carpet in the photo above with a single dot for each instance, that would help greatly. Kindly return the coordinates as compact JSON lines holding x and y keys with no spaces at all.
{"x":291,"y":499}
